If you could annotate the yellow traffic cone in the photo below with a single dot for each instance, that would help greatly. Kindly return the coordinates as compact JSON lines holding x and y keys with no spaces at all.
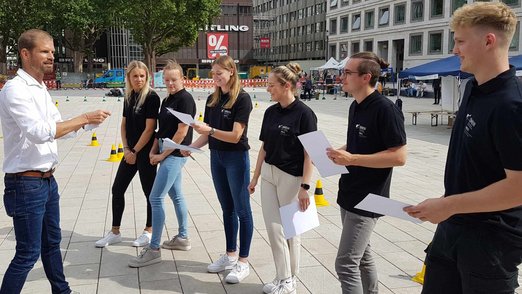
{"x":257,"y":105}
{"x":114,"y":156}
{"x":318,"y":195}
{"x":120,"y":151}
{"x":419,"y":277}
{"x":200,"y":118}
{"x":94,"y":140}
{"x":56,"y":104}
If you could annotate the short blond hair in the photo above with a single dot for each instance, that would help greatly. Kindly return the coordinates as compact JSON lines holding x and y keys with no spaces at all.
{"x":493,"y":15}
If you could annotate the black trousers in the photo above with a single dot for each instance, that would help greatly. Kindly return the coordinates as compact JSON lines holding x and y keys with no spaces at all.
{"x":436,"y":95}
{"x":479,"y":258}
{"x":124,"y":176}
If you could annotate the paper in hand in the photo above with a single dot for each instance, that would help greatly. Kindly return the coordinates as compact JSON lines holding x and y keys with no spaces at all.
{"x":315,"y":144}
{"x":386,"y":206}
{"x":169,"y":144}
{"x":183,"y":117}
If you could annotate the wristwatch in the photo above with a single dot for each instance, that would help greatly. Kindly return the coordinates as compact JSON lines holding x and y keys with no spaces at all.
{"x":211,"y":132}
{"x":305,"y":186}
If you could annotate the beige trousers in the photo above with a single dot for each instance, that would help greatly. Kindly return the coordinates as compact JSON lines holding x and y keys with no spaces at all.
{"x":279,"y":188}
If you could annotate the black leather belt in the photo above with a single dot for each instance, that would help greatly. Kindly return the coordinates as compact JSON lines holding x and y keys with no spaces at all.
{"x":34,"y":174}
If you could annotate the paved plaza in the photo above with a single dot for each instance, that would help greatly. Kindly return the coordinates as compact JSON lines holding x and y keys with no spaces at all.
{"x":85,"y":179}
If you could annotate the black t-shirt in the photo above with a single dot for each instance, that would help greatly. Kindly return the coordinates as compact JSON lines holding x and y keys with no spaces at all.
{"x":180,"y":101}
{"x":279,"y":132}
{"x":224,"y":119}
{"x":374,"y":125}
{"x":136,"y":116}
{"x":486,"y":139}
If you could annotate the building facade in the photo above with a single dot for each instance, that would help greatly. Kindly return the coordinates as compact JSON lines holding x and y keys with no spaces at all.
{"x":290,"y":30}
{"x":405,"y":33}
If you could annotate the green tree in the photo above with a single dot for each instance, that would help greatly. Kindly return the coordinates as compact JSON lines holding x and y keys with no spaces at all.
{"x":163,"y":26}
{"x":16,"y":17}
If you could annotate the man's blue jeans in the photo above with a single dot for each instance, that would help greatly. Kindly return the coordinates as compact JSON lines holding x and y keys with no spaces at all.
{"x":33,"y":203}
{"x":168,"y":180}
{"x":231,"y":176}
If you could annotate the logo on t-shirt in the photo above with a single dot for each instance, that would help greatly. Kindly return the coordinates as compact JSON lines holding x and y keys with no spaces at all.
{"x":361,"y":130}
{"x":284,"y":130}
{"x":227,"y":114}
{"x":470,"y":124}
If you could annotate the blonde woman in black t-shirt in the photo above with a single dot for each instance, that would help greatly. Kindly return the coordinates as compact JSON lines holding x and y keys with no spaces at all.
{"x":140,"y":111}
{"x":285,"y":170}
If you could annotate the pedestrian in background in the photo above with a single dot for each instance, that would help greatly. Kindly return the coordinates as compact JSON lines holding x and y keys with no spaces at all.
{"x":376,"y":142}
{"x":171,"y":161}
{"x":31,"y":124}
{"x":285,"y":170}
{"x":140,"y":111}
{"x":227,"y":113}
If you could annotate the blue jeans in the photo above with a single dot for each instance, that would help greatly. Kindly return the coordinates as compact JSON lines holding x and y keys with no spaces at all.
{"x":231,"y":176}
{"x":33,"y":203}
{"x":168,"y":180}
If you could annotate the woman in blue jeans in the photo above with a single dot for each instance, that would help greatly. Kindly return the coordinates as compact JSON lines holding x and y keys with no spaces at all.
{"x":168,"y":178}
{"x":225,"y":130}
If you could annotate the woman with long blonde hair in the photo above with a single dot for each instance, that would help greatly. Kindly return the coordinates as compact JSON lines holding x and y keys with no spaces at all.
{"x":225,"y":130}
{"x":140,"y":111}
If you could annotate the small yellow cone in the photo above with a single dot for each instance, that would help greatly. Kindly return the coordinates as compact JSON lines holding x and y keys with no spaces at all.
{"x":120,"y":151}
{"x":200,"y":118}
{"x":318,"y":195}
{"x":419,"y":277}
{"x":114,"y":156}
{"x":257,"y":105}
{"x":56,"y":104}
{"x":94,"y":140}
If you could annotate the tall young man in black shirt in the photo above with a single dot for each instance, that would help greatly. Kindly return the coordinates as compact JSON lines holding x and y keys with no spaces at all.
{"x":376,"y":142}
{"x":478,"y":243}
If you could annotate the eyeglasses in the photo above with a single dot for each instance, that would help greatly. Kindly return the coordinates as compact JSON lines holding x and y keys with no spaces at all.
{"x":347,"y":72}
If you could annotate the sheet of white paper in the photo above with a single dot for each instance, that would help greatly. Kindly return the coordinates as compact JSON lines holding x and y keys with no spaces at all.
{"x":315,"y":144}
{"x":169,"y":144}
{"x":386,"y":206}
{"x":89,"y":127}
{"x":183,"y":117}
{"x":296,"y":222}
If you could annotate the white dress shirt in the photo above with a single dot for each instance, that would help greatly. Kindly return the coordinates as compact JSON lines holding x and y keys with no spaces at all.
{"x":29,"y":118}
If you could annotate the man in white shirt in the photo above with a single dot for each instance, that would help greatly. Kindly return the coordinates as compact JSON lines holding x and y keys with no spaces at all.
{"x":30,"y":124}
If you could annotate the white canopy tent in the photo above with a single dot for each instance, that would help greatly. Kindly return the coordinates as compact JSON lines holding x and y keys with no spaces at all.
{"x":330,"y":64}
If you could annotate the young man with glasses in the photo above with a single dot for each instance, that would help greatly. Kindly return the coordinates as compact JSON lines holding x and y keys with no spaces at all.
{"x":376,"y":142}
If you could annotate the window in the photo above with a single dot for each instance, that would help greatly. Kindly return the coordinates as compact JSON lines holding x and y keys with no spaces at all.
{"x":343,"y":50}
{"x":333,"y":4}
{"x":345,"y":3}
{"x":512,"y":2}
{"x":344,"y":24}
{"x":451,"y":42}
{"x":416,"y":44}
{"x":384,"y":16}
{"x":435,"y":42}
{"x":356,"y":22}
{"x":355,"y":47}
{"x":514,"y":42}
{"x":308,"y":46}
{"x":456,"y":4}
{"x":333,"y":48}
{"x":417,"y":10}
{"x":400,"y":14}
{"x":368,"y":45}
{"x":368,"y":20}
{"x":333,"y":26}
{"x":437,"y":8}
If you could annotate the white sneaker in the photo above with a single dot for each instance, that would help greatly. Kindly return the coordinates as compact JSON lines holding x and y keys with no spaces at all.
{"x":142,"y":240}
{"x":287,"y":286}
{"x":275,"y":285}
{"x":109,"y":239}
{"x":270,"y":287}
{"x":147,"y":257}
{"x":239,"y":271}
{"x":225,"y":262}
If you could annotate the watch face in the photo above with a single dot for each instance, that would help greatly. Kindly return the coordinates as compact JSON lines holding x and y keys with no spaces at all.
{"x":305,"y":186}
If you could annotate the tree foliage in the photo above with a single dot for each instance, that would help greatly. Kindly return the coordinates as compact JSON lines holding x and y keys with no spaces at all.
{"x":162,"y":26}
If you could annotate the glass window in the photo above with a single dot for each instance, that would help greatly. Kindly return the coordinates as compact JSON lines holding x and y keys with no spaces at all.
{"x":451,"y":42}
{"x":356,"y":22}
{"x":400,"y":14}
{"x":437,"y":8}
{"x":456,"y":4}
{"x":435,"y":42}
{"x":333,"y":49}
{"x":512,"y":2}
{"x":345,"y":3}
{"x":343,"y":50}
{"x":384,"y":16}
{"x":344,"y":24}
{"x":369,"y":22}
{"x":368,"y":45}
{"x":417,"y":10}
{"x":355,"y":47}
{"x":516,"y":37}
{"x":416,"y":44}
{"x":333,"y":4}
{"x":333,"y":26}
